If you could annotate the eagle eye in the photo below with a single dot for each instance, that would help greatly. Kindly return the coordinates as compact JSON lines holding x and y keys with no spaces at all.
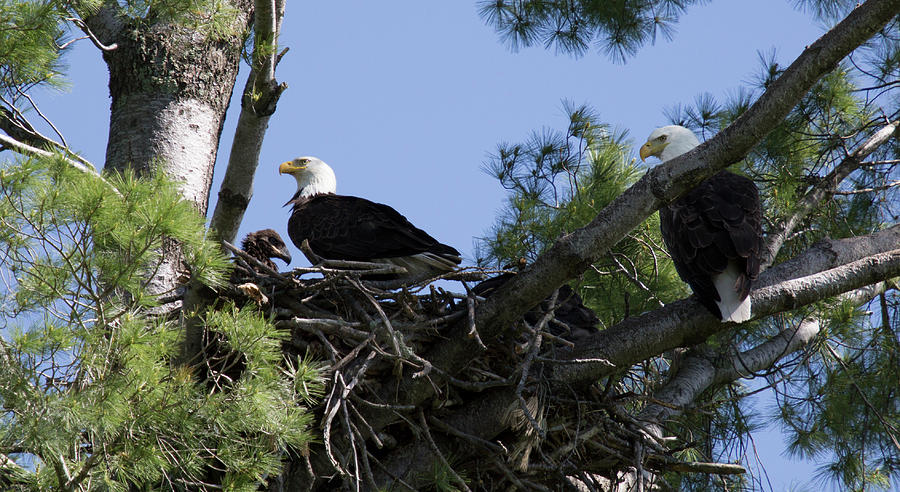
{"x":661,"y":138}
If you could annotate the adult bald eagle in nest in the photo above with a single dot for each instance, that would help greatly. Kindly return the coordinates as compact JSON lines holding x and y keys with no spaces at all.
{"x":340,"y":227}
{"x":713,"y":232}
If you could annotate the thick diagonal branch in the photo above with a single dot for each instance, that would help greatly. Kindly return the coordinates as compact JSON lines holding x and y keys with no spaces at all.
{"x":573,"y":253}
{"x":260,"y":97}
{"x":679,"y":324}
{"x":824,"y":189}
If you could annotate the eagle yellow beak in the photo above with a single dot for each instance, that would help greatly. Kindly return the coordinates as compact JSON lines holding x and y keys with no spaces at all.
{"x":652,"y":148}
{"x":290,"y":167}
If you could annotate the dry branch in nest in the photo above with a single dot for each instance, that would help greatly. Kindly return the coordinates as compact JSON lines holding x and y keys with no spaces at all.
{"x":372,"y":337}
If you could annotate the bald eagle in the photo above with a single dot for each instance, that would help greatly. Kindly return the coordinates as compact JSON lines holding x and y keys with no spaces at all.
{"x":713,"y":232}
{"x":340,"y":227}
{"x":264,"y":245}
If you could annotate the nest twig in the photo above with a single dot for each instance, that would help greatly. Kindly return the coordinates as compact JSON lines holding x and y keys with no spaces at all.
{"x":371,"y":336}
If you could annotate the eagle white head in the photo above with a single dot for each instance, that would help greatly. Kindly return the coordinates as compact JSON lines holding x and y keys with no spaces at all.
{"x":313,"y":176}
{"x":668,"y":142}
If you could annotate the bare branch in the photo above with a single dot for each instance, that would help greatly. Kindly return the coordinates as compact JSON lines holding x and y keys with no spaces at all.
{"x":873,"y":189}
{"x":84,"y":27}
{"x":64,"y":145}
{"x":699,"y":467}
{"x":575,"y":252}
{"x":26,"y":149}
{"x":823,"y":189}
{"x":14,"y":123}
{"x":260,"y":98}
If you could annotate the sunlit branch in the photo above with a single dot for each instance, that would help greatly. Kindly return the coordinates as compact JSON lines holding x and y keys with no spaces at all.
{"x":84,"y":27}
{"x":824,"y":188}
{"x":874,"y":189}
{"x":258,"y":103}
{"x":14,"y":123}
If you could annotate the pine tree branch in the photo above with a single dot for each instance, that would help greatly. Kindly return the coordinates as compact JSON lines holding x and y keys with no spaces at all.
{"x":889,"y":428}
{"x":679,"y":324}
{"x":12,"y":473}
{"x":25,"y":149}
{"x":823,"y":190}
{"x":573,"y":253}
{"x":698,"y":372}
{"x":258,"y":103}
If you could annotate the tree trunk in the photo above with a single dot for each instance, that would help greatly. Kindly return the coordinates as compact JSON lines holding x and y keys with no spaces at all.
{"x":170,"y":90}
{"x":258,"y":102}
{"x":170,"y":87}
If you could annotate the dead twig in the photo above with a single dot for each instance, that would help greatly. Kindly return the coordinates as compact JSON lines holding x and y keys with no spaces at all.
{"x":437,"y":452}
{"x":470,"y":310}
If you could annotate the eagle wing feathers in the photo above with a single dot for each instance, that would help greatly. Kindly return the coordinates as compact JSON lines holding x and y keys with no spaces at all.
{"x":717,"y":222}
{"x":353,"y":228}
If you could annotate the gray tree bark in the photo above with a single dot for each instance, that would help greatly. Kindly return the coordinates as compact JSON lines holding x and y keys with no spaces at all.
{"x":258,"y":103}
{"x":680,"y":324}
{"x":170,"y":88}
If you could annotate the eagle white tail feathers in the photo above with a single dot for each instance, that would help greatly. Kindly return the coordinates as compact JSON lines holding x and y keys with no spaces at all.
{"x":424,"y":264}
{"x":731,"y":306}
{"x":438,"y":261}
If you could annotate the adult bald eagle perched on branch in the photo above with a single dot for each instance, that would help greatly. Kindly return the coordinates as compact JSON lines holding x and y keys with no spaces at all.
{"x":713,"y":232}
{"x":339,"y":227}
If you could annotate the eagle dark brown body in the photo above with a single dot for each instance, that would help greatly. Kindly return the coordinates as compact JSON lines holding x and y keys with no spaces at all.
{"x":352,"y":228}
{"x":713,"y":232}
{"x":265,"y":245}
{"x":717,"y":222}
{"x":340,"y":227}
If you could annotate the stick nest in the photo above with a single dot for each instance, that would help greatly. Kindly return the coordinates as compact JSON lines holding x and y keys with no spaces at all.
{"x":370,"y":335}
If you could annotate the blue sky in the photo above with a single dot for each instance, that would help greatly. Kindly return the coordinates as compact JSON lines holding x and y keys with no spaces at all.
{"x":405,"y":100}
